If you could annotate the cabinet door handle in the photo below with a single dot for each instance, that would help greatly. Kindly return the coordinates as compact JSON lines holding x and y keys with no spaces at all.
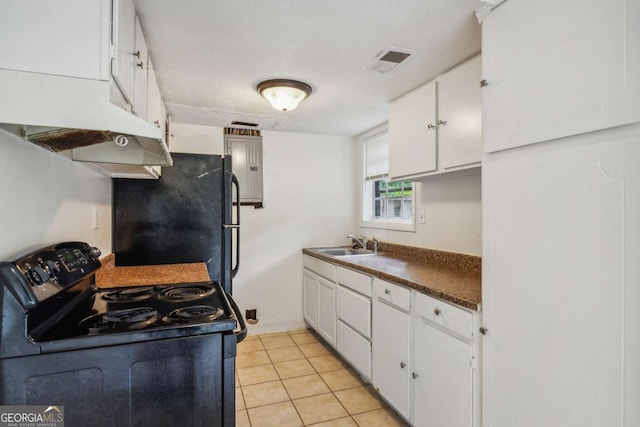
{"x":137,"y":54}
{"x":414,"y":375}
{"x":437,"y":312}
{"x":387,"y":291}
{"x":157,"y":123}
{"x":442,"y":122}
{"x":430,"y":126}
{"x":140,"y":64}
{"x":403,"y":365}
{"x":483,"y":83}
{"x":483,"y":330}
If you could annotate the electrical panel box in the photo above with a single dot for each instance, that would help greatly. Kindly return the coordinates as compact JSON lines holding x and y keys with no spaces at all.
{"x":246,"y":155}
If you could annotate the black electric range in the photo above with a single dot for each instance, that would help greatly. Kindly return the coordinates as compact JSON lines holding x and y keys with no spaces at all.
{"x":141,"y":355}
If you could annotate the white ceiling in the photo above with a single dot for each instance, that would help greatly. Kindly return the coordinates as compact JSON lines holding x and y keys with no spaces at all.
{"x":209,"y":56}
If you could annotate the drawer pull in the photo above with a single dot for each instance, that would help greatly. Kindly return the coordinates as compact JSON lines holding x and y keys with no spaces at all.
{"x":483,"y":330}
{"x":414,"y":375}
{"x":403,"y":365}
{"x":437,"y":312}
{"x":387,"y":291}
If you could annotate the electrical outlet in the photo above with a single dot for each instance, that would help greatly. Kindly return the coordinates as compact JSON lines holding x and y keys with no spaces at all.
{"x":421,"y":216}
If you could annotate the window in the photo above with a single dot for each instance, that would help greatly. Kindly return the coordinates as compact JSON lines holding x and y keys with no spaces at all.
{"x":386,"y":204}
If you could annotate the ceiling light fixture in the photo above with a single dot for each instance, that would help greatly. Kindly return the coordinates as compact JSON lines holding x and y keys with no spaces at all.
{"x":284,"y":94}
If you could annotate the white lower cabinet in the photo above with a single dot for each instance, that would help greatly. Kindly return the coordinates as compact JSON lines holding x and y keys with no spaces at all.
{"x":310,"y":296}
{"x":390,"y":352}
{"x":327,"y":310}
{"x":420,"y":353}
{"x":442,"y":378}
{"x":355,"y":348}
{"x":319,"y":297}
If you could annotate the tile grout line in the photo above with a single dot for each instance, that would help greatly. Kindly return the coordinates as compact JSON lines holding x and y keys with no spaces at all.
{"x":318,"y":373}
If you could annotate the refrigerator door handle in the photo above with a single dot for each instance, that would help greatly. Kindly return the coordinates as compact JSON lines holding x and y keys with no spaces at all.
{"x":236,"y":226}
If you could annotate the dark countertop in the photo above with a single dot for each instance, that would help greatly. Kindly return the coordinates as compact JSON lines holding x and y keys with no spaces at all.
{"x":447,"y":276}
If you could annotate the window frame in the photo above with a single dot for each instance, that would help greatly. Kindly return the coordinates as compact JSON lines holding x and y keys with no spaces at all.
{"x":366,"y":217}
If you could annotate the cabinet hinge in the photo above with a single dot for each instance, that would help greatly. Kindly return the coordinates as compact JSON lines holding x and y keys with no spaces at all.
{"x":112,"y":51}
{"x":474,"y":363}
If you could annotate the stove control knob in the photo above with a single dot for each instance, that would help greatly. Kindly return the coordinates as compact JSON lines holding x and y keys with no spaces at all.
{"x":51,"y":268}
{"x":94,"y":252}
{"x":37,"y":275}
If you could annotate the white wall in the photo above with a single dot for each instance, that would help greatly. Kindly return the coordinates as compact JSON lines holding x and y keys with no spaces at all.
{"x":453,"y":212}
{"x":48,"y":198}
{"x":308,"y":201}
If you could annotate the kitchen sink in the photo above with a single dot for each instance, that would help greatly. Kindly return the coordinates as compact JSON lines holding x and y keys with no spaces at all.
{"x":345,"y":251}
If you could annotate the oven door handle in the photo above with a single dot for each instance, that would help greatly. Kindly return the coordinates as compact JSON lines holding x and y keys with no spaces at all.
{"x":241,"y":328}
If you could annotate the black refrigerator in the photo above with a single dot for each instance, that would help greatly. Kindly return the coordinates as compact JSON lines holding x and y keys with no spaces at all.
{"x":183,"y":217}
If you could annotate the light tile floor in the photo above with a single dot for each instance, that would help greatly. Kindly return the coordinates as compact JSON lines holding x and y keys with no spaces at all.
{"x":294,"y":379}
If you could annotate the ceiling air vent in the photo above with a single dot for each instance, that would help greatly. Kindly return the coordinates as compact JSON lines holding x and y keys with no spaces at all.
{"x":388,"y":60}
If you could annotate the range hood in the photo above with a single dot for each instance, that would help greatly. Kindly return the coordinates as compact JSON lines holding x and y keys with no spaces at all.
{"x":67,"y":113}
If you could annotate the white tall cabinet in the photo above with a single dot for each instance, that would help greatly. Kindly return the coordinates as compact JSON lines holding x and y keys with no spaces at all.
{"x":561,"y":214}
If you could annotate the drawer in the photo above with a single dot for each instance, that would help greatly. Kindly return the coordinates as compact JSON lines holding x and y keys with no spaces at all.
{"x":354,"y":310}
{"x":355,"y":349}
{"x":393,"y":294}
{"x":357,"y":281}
{"x":321,"y":268}
{"x":444,"y":314}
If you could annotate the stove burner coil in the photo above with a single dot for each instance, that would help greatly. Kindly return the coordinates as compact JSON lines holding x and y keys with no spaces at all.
{"x":129,"y":295}
{"x":182,"y":293}
{"x":194,"y":314}
{"x":120,"y":320}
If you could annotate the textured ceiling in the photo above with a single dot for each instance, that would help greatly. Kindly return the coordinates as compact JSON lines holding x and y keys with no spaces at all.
{"x":209,"y":56}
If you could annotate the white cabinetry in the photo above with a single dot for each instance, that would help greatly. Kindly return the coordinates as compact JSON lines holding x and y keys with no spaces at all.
{"x":560,"y":261}
{"x":42,"y":36}
{"x":442,"y":368}
{"x":582,"y":73}
{"x":125,"y":60}
{"x":437,"y":127}
{"x":310,"y":297}
{"x":156,"y":112}
{"x":460,"y":116}
{"x":390,"y":346}
{"x":412,"y":133}
{"x":141,"y":73}
{"x":560,"y":282}
{"x":327,"y":310}
{"x":353,"y":309}
{"x":319,"y":297}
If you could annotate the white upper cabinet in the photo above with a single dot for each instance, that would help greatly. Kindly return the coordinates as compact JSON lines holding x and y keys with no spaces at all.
{"x":558,"y":69}
{"x":460,"y":115}
{"x":124,"y":63}
{"x":141,"y":73}
{"x":412,"y":133}
{"x":437,"y":128}
{"x":41,"y":36}
{"x":155,"y":107}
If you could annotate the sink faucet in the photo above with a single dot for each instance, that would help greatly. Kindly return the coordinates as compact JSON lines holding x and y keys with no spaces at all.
{"x":362,"y":241}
